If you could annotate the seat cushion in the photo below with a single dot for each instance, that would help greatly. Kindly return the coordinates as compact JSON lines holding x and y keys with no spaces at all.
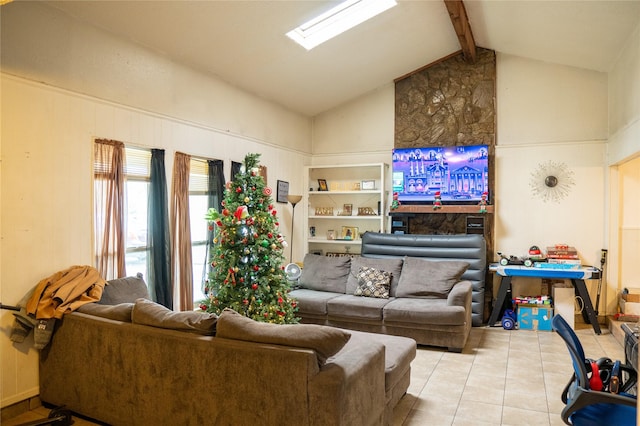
{"x":312,"y":302}
{"x":357,"y":307}
{"x":423,"y":311}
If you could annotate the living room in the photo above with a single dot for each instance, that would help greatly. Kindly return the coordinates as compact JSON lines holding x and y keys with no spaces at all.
{"x":65,"y":83}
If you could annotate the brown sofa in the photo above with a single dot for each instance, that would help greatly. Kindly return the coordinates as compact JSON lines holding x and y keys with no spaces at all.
{"x":138,"y":363}
{"x":433,"y":283}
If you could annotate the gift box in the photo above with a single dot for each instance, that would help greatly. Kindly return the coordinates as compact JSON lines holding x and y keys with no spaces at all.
{"x":535,"y":317}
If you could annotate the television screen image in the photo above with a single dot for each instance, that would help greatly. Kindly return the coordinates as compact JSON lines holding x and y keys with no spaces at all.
{"x":459,"y":173}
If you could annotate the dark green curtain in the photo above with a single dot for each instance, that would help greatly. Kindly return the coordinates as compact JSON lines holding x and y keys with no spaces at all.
{"x":215,"y":195}
{"x":235,"y":168}
{"x":159,"y":264}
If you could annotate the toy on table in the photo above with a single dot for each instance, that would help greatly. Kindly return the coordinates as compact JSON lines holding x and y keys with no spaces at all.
{"x":514,"y":260}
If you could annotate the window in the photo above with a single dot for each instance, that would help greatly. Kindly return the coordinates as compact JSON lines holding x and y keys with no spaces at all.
{"x":137,"y":170}
{"x":198,"y":205}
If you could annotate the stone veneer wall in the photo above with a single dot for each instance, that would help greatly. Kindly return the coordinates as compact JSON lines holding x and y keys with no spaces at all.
{"x":448,"y":103}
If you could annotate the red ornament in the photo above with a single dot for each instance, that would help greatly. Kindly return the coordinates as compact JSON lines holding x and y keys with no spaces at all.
{"x":280,"y":300}
{"x":273,"y":212}
{"x":241,"y":280}
{"x":245,"y":301}
{"x":270,"y":235}
{"x":210,"y":228}
{"x":203,"y":307}
{"x":238,"y":190}
{"x":256,"y":268}
{"x":254,"y":286}
{"x":266,"y":315}
{"x":266,"y":191}
{"x":225,"y":212}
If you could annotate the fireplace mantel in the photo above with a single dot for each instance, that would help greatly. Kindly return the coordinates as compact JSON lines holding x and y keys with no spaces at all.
{"x":444,"y":209}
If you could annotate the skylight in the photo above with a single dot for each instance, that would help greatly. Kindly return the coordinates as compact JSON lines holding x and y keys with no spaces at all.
{"x":341,"y":18}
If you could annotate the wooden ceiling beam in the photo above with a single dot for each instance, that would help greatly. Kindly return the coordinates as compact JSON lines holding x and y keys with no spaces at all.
{"x":460,"y":21}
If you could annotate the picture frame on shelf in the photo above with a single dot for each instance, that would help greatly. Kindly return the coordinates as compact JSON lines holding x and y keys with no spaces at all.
{"x":331,"y":234}
{"x":282,"y":191}
{"x":349,"y":233}
{"x":347,"y":210}
{"x":322,"y":185}
{"x":368,"y":185}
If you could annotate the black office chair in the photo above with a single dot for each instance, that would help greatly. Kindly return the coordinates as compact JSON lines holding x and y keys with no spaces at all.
{"x":613,"y":405}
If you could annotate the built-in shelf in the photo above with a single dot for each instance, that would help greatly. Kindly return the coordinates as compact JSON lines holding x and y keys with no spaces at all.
{"x":444,"y":209}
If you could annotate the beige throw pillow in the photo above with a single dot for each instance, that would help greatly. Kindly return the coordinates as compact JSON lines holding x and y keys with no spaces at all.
{"x":323,"y":340}
{"x":373,"y":283}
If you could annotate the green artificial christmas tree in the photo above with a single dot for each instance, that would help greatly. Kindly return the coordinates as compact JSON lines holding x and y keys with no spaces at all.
{"x":247,"y":273}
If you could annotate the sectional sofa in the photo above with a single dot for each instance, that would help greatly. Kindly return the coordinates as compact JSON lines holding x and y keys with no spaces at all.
{"x":134,"y":362}
{"x":427,"y":287}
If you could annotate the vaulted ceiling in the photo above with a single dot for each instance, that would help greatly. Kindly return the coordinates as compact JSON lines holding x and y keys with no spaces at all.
{"x":244,"y":42}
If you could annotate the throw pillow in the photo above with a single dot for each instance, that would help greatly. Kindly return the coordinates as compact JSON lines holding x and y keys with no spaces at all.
{"x":119,"y":312}
{"x":150,"y":313}
{"x":391,"y":265}
{"x":124,"y":290}
{"x":423,"y":278}
{"x":323,"y":340}
{"x":325,"y":273}
{"x":373,"y":283}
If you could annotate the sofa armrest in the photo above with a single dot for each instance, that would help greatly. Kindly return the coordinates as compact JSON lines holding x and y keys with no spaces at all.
{"x":460,"y":294}
{"x":350,"y":387}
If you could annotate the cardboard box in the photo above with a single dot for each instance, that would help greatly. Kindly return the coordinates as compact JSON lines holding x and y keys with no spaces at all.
{"x":535,"y":317}
{"x":629,"y":308}
{"x":635,"y":298}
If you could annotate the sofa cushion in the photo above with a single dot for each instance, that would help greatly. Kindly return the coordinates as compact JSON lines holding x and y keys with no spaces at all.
{"x":119,"y":312}
{"x":407,"y":311}
{"x":356,"y":307}
{"x":373,"y":283}
{"x":428,"y":278}
{"x":124,"y":290}
{"x":312,"y":302}
{"x":325,"y":273}
{"x":150,"y":313}
{"x":324,"y":341}
{"x":394,"y":266}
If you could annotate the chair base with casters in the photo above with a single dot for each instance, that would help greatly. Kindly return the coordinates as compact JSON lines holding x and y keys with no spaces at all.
{"x":584,"y":404}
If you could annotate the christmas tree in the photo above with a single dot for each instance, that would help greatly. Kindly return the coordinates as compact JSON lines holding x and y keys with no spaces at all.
{"x":247,"y":273}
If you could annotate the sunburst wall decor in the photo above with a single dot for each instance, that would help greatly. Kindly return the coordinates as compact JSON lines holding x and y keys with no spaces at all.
{"x":551,"y":181}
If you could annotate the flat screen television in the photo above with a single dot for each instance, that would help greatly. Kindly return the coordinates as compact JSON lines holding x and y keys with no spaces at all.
{"x":460,"y":173}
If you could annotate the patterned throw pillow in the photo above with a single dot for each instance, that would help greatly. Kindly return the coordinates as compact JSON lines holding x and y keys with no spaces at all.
{"x":373,"y":283}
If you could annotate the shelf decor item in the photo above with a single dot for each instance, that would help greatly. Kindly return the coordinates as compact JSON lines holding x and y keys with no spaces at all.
{"x":366,"y":211}
{"x":368,"y":185}
{"x":347,"y":210}
{"x":349,"y":233}
{"x":324,"y":211}
{"x":322,"y":185}
{"x":331,"y":234}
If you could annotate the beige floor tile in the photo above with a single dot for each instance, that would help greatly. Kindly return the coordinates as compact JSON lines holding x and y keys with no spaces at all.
{"x":475,"y":412}
{"x":519,"y":417}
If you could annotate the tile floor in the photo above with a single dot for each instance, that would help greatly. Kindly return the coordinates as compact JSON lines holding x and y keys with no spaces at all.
{"x":500,"y":378}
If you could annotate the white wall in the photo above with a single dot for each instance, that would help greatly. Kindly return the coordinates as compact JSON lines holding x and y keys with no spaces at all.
{"x":63,"y":84}
{"x":624,"y":161}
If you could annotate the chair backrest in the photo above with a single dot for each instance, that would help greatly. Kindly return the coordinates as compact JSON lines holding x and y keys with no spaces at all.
{"x":576,"y":351}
